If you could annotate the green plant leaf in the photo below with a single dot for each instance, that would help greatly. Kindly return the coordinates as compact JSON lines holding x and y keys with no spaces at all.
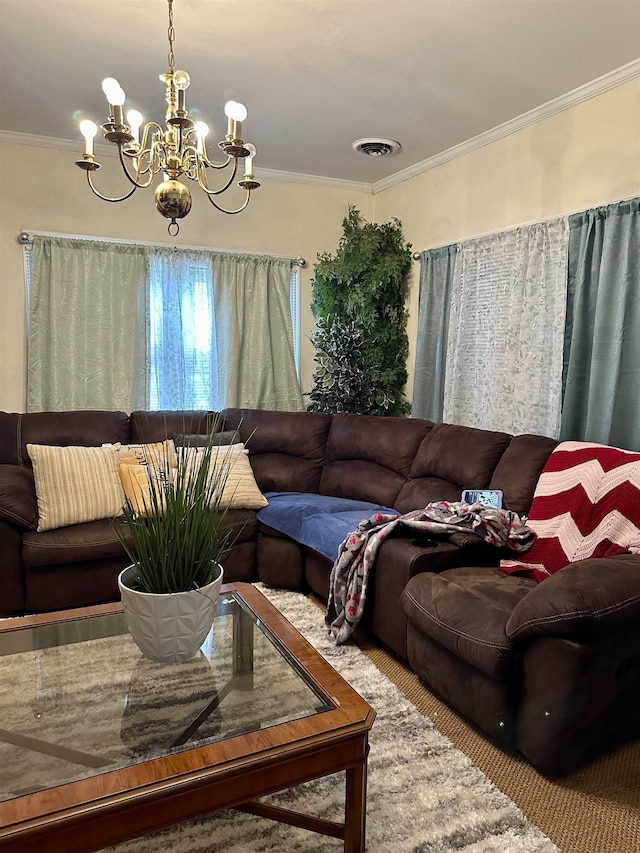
{"x":360,"y":340}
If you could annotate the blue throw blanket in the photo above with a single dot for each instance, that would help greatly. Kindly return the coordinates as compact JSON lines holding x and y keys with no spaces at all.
{"x":321,"y":522}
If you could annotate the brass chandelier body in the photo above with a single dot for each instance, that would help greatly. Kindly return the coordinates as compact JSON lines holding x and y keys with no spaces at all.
{"x":177,"y":151}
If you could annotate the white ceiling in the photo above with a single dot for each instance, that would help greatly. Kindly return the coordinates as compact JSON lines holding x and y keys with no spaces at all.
{"x":315,"y":75}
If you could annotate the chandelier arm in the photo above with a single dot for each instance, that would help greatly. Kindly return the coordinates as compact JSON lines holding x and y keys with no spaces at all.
{"x":106,"y":198}
{"x":202,"y":183}
{"x":125,"y":169}
{"x":205,"y":159}
{"x":231,"y":212}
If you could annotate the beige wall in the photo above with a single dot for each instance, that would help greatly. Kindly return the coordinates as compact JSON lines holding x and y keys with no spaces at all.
{"x":42,"y":190}
{"x":584,"y":156}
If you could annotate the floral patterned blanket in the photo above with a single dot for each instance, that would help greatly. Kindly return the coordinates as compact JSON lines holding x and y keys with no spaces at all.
{"x":357,"y":554}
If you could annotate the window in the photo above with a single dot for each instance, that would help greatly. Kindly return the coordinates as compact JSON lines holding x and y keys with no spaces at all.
{"x":181,"y":343}
{"x":130,"y":326}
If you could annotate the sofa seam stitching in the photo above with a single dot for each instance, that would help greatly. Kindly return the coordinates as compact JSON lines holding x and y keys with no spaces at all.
{"x":577,"y":614}
{"x":454,"y":630}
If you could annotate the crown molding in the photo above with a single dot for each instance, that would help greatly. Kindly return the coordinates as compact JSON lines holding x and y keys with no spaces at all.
{"x":300,"y":178}
{"x":103,"y":150}
{"x":576,"y":96}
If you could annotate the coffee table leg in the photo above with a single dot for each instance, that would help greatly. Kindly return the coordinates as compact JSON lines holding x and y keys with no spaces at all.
{"x":355,"y":808}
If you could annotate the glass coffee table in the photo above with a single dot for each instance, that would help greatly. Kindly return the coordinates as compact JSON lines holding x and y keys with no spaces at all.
{"x":98,"y":744}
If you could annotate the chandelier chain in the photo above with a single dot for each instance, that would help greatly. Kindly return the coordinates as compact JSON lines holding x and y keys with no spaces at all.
{"x":171,"y":34}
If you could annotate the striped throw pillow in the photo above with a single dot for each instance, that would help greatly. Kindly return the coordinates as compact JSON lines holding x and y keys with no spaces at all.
{"x":75,"y":484}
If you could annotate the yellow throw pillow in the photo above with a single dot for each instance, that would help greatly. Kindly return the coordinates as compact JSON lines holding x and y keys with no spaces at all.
{"x":240,"y":489}
{"x":138,"y":480}
{"x":75,"y":484}
{"x":161,"y":454}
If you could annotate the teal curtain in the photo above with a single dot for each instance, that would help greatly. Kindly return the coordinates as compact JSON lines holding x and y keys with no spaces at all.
{"x":86,"y":307}
{"x":254,"y":334}
{"x":602,"y":341}
{"x":436,"y":278}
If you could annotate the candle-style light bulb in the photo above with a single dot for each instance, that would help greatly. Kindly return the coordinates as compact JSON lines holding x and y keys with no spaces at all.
{"x":116,"y":97}
{"x":88,"y":129}
{"x":236,"y":114}
{"x":110,"y":87}
{"x":202,"y":129}
{"x":134,"y":119}
{"x":248,"y":161}
{"x":181,"y":81}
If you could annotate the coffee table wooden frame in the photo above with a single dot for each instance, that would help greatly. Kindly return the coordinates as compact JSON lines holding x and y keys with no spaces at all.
{"x":113,"y":806}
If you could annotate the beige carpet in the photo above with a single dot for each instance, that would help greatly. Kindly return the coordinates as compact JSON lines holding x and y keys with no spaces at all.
{"x":593,"y":810}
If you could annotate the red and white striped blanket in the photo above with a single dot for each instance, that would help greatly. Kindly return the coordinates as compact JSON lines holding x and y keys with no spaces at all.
{"x":586,"y":504}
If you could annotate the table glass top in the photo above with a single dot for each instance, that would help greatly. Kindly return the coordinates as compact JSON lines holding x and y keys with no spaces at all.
{"x":77,"y":698}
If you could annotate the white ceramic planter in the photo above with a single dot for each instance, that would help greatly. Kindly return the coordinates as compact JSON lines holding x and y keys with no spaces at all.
{"x":169,"y":628}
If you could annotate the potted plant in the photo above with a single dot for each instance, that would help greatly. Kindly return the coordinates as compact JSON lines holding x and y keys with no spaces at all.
{"x":177,"y":540}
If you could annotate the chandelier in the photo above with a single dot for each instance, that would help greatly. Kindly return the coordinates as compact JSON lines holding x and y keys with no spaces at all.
{"x":177,"y":151}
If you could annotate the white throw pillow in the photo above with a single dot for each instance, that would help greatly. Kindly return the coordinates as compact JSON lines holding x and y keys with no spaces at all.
{"x":240,"y":489}
{"x":75,"y":484}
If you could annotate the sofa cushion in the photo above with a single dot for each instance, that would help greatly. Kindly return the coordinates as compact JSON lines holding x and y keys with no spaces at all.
{"x":286,"y":448}
{"x":368,"y":458}
{"x":148,"y":427}
{"x":466,"y":610}
{"x":204,"y":439}
{"x":451,"y":458}
{"x":584,"y":602}
{"x":94,"y":540}
{"x":18,"y":504}
{"x":75,"y":484}
{"x":100,"y":540}
{"x":82,"y":428}
{"x":320,"y":522}
{"x":519,"y":470}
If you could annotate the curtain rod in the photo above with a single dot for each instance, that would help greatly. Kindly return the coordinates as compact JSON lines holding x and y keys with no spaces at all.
{"x":418,"y":255}
{"x":25,"y":238}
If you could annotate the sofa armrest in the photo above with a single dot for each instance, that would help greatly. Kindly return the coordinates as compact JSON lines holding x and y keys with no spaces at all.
{"x":18,"y":504}
{"x":584,"y":601}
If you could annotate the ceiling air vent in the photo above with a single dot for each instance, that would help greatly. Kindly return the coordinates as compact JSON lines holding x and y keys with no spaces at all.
{"x":376,"y":147}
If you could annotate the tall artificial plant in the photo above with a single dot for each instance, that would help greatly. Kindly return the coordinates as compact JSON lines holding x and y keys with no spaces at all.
{"x":360,"y":339}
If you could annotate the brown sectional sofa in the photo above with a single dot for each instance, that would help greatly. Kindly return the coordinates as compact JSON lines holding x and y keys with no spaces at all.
{"x":550,"y":669}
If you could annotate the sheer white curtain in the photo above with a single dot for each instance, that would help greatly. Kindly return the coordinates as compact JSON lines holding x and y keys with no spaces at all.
{"x":181,"y":331}
{"x":506,"y":330}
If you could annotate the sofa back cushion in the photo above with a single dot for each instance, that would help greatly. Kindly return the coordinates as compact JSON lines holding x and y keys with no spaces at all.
{"x":286,"y":449}
{"x":369,"y":458}
{"x":519,"y":469}
{"x":81,"y":428}
{"x":451,"y":458}
{"x":18,"y":503}
{"x":147,"y":427}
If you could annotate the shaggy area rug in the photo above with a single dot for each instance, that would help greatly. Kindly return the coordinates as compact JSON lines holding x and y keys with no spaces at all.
{"x":423,"y":796}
